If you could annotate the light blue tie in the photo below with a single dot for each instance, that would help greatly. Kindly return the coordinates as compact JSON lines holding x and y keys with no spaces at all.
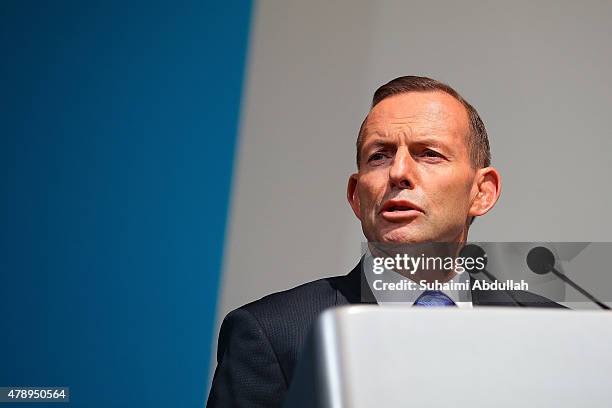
{"x":434,"y":298}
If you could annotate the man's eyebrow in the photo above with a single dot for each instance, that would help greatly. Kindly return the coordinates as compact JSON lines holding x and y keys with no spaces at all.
{"x":430,"y":141}
{"x":390,"y":142}
{"x":378,"y":142}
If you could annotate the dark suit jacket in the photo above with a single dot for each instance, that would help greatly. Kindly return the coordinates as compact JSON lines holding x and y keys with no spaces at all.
{"x":259,"y":343}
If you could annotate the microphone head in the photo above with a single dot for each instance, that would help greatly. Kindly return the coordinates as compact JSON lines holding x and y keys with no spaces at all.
{"x":541,"y":260}
{"x":473,"y":251}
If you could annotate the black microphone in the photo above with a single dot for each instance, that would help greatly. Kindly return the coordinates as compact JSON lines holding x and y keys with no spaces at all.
{"x":475,"y":251}
{"x":541,"y":260}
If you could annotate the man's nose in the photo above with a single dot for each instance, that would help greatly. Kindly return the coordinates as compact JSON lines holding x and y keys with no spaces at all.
{"x":401,"y":173}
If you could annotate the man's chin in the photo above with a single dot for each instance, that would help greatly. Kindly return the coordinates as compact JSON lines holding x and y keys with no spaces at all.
{"x":405,"y":235}
{"x":416,"y":234}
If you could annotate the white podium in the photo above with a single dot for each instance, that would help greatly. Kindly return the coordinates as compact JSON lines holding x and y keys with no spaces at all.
{"x":384,"y":357}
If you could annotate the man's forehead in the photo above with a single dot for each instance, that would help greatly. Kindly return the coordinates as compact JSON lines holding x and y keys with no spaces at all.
{"x":418,"y":111}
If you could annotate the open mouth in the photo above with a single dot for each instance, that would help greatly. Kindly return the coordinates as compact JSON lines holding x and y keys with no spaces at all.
{"x":400,"y":210}
{"x":396,"y":208}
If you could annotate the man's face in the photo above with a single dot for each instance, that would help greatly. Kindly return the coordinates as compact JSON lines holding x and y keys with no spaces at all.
{"x":415,"y":181}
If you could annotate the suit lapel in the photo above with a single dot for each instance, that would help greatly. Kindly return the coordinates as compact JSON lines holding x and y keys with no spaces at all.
{"x":353,"y":289}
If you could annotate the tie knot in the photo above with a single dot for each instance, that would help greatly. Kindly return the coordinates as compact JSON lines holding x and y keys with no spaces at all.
{"x":434,"y":298}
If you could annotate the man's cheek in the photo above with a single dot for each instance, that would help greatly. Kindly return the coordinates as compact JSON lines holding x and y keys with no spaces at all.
{"x":365,"y":202}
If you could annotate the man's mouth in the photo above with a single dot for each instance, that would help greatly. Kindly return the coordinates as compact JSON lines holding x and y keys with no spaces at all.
{"x":400,"y":210}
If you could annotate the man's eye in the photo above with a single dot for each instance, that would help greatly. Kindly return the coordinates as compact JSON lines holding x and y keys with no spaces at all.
{"x":376,"y":157}
{"x":431,"y":153}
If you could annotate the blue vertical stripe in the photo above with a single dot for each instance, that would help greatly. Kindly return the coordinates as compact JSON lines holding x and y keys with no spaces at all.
{"x":119,"y":123}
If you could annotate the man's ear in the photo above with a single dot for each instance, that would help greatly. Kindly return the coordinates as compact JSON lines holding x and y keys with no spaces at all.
{"x":487,"y":190}
{"x":352,"y":195}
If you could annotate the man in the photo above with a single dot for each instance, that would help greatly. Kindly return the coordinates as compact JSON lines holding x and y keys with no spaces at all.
{"x":423,"y":175}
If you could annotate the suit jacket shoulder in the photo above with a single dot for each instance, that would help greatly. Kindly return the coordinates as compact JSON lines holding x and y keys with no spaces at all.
{"x":259,"y":342}
{"x":286,"y":317}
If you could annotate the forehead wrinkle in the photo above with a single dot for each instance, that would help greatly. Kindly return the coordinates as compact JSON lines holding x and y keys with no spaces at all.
{"x":435,"y":118}
{"x":427,"y":128}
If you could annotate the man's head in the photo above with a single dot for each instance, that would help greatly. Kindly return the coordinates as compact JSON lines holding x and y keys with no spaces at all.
{"x":423,"y":165}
